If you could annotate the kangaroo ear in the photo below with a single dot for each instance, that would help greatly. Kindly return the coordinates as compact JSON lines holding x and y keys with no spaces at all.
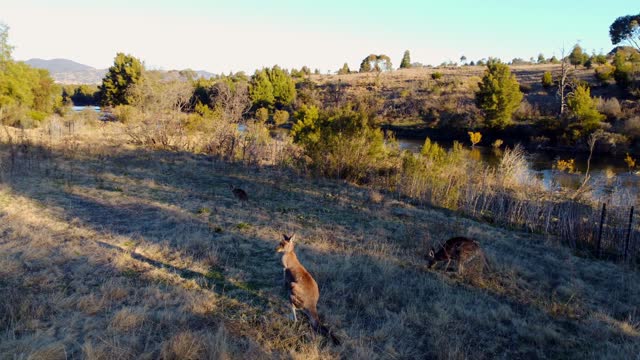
{"x":292,"y":237}
{"x":432,"y":252}
{"x":286,"y":238}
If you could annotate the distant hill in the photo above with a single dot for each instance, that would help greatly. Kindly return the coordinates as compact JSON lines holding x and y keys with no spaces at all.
{"x":58,"y":65}
{"x":66,"y":71}
{"x":205,"y":74}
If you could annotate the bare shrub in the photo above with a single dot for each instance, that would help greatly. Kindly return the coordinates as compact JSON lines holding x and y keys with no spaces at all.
{"x":514,"y":170}
{"x":527,"y":111}
{"x":155,"y":117}
{"x":233,"y":103}
{"x":610,"y":107}
{"x":632,"y":127}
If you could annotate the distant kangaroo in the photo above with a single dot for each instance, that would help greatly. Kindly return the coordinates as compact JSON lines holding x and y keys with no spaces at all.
{"x":460,"y":249}
{"x":239,"y":193}
{"x":301,"y":287}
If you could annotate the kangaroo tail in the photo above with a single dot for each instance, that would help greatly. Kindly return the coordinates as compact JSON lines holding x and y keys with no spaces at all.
{"x":325,"y":331}
{"x":322,"y":329}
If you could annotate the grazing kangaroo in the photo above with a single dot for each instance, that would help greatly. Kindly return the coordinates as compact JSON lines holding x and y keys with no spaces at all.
{"x":301,"y":287}
{"x":239,"y":193}
{"x":460,"y":249}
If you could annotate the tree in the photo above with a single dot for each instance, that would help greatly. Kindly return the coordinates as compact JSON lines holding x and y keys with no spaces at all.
{"x":344,"y":70}
{"x":463,"y":59}
{"x":23,"y":89}
{"x":125,"y":72}
{"x":365,"y":65}
{"x":261,"y":89}
{"x":5,"y":48}
{"x":626,"y":28}
{"x":541,"y":59}
{"x":564,"y":83}
{"x":230,"y":99}
{"x":499,"y":94}
{"x":577,"y":56}
{"x":406,"y":60}
{"x":272,"y":87}
{"x":584,"y":109}
{"x":284,"y":88}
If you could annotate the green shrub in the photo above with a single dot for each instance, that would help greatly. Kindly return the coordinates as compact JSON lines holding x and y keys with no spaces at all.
{"x":604,"y":72}
{"x":127,"y":114}
{"x":583,"y":107}
{"x":262,"y":114}
{"x":547,"y":80}
{"x":437,"y":75}
{"x":37,"y":115}
{"x":280,"y":117}
{"x":340,"y":143}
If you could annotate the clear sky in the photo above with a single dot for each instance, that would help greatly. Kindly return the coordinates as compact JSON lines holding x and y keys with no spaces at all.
{"x":223,"y":36}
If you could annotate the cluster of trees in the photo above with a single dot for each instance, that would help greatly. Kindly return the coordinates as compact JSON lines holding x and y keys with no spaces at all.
{"x":376,"y":63}
{"x":272,"y":89}
{"x":81,"y":95}
{"x":27,"y":95}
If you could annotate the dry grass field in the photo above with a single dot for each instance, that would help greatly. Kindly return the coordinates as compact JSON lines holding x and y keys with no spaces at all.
{"x":526,"y":74}
{"x":418,"y":97}
{"x":112,"y":251}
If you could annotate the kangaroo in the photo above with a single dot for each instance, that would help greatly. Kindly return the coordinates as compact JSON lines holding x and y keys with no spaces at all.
{"x":301,"y":287}
{"x":460,"y":249}
{"x":239,"y":193}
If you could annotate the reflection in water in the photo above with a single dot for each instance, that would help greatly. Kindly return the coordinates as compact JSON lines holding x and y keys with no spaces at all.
{"x":606,"y":174}
{"x":82,"y":108}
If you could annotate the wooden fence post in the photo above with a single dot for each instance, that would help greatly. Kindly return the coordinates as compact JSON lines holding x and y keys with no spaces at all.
{"x":604,"y":213}
{"x":626,"y":244}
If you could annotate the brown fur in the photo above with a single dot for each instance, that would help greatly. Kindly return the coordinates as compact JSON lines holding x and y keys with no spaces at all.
{"x":460,"y":249}
{"x":301,"y":287}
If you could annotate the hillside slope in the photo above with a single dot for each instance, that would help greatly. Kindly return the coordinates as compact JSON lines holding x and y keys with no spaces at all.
{"x":110,"y":251}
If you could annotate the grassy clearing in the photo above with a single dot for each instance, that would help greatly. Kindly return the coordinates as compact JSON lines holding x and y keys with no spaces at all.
{"x":110,"y":251}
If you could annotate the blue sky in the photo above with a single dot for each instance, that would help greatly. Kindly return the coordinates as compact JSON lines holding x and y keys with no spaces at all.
{"x":223,"y":36}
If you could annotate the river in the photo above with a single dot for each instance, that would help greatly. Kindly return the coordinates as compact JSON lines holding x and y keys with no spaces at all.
{"x":607,"y":173}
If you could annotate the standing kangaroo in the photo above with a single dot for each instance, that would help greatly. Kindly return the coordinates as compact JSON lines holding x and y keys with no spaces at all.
{"x":460,"y":249}
{"x":301,"y":287}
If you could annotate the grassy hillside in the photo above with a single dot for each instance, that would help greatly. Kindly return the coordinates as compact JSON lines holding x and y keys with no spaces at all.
{"x":112,"y":251}
{"x":443,"y":98}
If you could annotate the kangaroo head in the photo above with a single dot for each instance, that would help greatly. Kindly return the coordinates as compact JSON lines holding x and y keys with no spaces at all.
{"x":286,"y":244}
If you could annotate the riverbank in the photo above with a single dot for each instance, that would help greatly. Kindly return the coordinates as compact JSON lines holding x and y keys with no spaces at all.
{"x":532,"y":138}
